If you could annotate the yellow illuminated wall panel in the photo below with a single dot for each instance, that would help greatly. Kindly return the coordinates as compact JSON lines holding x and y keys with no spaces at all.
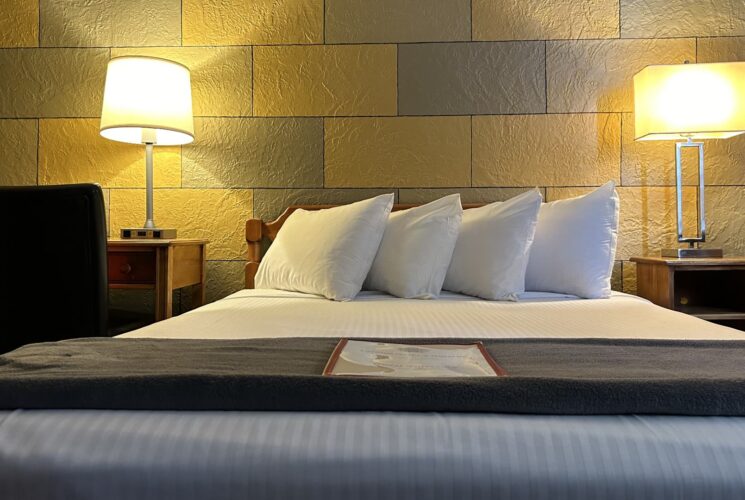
{"x":313,"y":101}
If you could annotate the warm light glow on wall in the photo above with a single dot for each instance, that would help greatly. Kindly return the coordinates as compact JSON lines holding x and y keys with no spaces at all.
{"x":147,"y":99}
{"x":701,"y":101}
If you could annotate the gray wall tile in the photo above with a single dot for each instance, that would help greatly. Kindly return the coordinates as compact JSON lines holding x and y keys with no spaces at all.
{"x":255,"y":152}
{"x":366,"y":21}
{"x":471,"y":78}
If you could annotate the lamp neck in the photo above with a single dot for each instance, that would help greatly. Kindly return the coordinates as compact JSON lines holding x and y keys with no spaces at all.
{"x":149,"y":223}
{"x":149,"y":136}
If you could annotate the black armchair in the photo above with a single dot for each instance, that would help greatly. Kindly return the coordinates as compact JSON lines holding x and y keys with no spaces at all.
{"x":53,"y":275}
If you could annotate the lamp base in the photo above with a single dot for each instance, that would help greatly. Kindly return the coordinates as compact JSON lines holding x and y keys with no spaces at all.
{"x":144,"y":233}
{"x":693,"y":253}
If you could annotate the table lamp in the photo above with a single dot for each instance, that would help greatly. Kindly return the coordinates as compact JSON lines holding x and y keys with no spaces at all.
{"x":689,"y":103}
{"x":147,"y":100}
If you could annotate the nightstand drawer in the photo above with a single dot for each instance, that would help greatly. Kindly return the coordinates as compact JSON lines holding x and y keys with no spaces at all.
{"x":131,"y":267}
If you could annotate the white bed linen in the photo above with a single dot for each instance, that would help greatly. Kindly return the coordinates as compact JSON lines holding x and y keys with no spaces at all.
{"x":110,"y":455}
{"x":122,"y":455}
{"x":273,"y":313}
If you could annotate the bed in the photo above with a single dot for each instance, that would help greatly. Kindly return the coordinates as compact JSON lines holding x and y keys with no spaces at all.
{"x":94,"y":453}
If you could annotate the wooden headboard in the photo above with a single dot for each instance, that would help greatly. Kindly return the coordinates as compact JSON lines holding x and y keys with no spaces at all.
{"x":257,"y":230}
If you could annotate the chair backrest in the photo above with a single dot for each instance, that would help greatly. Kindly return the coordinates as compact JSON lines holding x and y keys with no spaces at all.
{"x":53,"y":271}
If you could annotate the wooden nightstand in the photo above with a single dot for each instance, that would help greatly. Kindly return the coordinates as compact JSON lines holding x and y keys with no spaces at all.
{"x":160,"y":265}
{"x":711,"y":289}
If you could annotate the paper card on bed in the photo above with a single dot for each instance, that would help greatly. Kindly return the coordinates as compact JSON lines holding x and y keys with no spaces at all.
{"x":384,"y":359}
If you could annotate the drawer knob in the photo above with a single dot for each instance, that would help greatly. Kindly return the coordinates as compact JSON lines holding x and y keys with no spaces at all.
{"x":125,"y":269}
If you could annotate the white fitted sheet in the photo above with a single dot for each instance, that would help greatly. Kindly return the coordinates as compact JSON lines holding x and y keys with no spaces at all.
{"x":273,"y":313}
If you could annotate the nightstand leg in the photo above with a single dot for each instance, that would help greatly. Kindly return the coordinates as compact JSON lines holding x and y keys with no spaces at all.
{"x":164,"y":284}
{"x":203,"y":284}
{"x":200,"y":291}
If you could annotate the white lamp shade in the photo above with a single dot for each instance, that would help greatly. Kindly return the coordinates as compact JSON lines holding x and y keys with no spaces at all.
{"x":147,"y":100}
{"x":700,"y":101}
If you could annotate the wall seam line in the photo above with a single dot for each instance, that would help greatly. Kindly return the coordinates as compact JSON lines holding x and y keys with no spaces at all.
{"x":438,"y":42}
{"x":471,"y":184}
{"x":38,"y":34}
{"x":253,"y":81}
{"x":545,"y":74}
{"x":470,"y":24}
{"x":310,"y":117}
{"x":354,"y":188}
{"x":398,"y":81}
{"x":38,"y":147}
{"x":620,"y":159}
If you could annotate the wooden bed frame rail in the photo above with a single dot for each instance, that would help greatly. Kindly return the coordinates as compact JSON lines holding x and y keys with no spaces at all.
{"x":257,"y":230}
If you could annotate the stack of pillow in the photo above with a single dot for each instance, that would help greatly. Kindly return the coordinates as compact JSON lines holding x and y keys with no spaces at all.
{"x":494,"y":252}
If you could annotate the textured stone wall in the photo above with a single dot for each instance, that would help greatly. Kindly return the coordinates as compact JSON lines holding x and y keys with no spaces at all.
{"x":336,"y":100}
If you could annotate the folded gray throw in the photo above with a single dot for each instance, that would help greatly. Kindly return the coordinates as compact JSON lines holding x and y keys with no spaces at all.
{"x":564,"y":376}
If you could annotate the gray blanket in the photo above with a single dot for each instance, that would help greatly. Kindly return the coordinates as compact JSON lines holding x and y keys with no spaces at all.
{"x":566,"y":376}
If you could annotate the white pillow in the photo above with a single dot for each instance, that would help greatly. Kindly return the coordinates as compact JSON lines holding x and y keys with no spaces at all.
{"x":326,"y":252}
{"x":575,"y":245}
{"x":491,"y":254}
{"x":416,"y":249}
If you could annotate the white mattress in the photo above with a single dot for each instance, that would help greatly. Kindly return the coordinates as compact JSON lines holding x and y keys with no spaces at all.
{"x":273,"y":313}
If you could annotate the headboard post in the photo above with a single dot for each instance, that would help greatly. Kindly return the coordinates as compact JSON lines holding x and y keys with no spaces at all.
{"x":253,"y":238}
